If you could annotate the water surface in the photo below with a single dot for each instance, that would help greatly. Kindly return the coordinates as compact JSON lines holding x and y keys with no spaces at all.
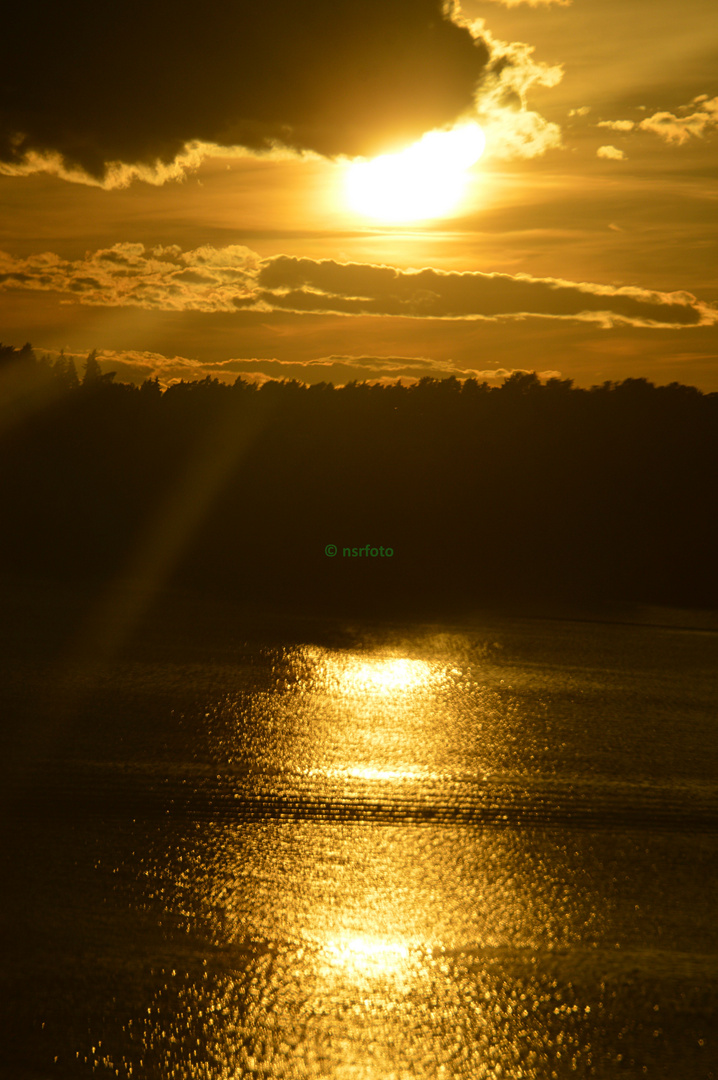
{"x":345,"y":851}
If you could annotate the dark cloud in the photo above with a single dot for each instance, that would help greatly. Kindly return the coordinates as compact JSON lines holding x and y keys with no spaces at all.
{"x":236,"y":279}
{"x":136,"y":82}
{"x":351,"y":288}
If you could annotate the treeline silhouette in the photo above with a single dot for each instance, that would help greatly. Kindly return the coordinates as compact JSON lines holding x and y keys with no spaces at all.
{"x":530,"y":490}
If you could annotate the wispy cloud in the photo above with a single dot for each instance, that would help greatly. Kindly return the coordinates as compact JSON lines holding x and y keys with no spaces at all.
{"x":236,"y":279}
{"x":617,"y":125}
{"x":612,"y":153}
{"x":130,"y":275}
{"x":679,"y":129}
{"x":695,"y":120}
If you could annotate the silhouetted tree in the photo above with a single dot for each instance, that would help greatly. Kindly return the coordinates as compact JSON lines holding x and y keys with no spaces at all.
{"x":522,"y":382}
{"x":65,"y":372}
{"x":93,"y":375}
{"x":24,"y":356}
{"x":151,"y":388}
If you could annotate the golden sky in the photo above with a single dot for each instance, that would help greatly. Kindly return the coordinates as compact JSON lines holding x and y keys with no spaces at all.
{"x":175,"y":188}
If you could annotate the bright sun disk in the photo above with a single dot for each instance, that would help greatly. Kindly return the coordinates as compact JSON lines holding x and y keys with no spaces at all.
{"x":426,"y":180}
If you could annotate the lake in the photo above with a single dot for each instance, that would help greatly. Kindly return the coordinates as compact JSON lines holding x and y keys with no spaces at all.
{"x":348,"y":851}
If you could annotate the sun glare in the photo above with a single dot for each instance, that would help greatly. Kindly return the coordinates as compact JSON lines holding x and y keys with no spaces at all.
{"x":368,"y":956}
{"x":379,"y":676}
{"x":424,"y":181}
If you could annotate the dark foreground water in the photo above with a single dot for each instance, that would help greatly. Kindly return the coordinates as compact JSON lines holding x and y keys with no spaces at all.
{"x":351,"y":854}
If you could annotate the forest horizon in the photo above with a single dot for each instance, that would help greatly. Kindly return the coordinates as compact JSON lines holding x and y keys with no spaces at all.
{"x":531,"y":491}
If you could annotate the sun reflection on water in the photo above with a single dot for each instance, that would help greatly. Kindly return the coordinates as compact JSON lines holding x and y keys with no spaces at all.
{"x":302,"y":920}
{"x":382,"y":676}
{"x":360,"y":946}
{"x":368,"y":956}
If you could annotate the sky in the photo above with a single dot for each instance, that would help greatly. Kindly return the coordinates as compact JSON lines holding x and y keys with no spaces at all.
{"x":281,"y":190}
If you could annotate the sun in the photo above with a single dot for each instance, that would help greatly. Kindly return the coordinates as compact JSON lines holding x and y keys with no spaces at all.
{"x":426,"y":180}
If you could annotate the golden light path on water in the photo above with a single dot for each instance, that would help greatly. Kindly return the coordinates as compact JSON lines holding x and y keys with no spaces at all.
{"x":353,"y":949}
{"x":367,"y":852}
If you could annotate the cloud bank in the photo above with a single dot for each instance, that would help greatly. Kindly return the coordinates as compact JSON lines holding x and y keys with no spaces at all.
{"x":88,"y":88}
{"x":235,"y":279}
